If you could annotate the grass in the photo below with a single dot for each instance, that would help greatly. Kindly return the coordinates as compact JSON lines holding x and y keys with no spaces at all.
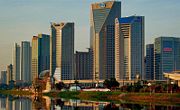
{"x":116,"y":96}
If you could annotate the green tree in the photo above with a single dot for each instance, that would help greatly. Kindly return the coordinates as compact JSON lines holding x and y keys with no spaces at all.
{"x":111,"y":83}
{"x":59,"y":85}
{"x":76,"y":82}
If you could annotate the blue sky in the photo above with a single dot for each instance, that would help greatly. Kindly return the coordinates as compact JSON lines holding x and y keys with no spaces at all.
{"x":21,"y":19}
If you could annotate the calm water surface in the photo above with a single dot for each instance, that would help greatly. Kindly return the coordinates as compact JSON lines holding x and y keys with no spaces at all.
{"x":46,"y":103}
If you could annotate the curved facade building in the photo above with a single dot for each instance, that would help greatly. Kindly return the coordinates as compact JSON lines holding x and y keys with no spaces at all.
{"x":129,"y":47}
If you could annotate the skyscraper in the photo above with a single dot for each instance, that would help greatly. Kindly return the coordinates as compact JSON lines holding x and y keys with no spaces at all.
{"x":62,"y":51}
{"x":16,"y":62}
{"x":3,"y":77}
{"x":102,"y":21}
{"x":129,"y":47}
{"x":25,"y":61}
{"x":9,"y":70}
{"x":83,"y":65}
{"x":40,"y":54}
{"x":167,"y":56}
{"x":149,"y":74}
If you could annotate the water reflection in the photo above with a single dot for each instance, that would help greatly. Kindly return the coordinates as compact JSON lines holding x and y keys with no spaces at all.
{"x":46,"y":103}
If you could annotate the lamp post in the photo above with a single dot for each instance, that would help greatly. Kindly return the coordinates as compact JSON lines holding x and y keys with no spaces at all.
{"x":149,"y":84}
{"x":172,"y":83}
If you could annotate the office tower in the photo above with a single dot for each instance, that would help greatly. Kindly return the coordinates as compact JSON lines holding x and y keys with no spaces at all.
{"x":149,"y":74}
{"x":83,"y":65}
{"x":40,"y":54}
{"x":9,"y":70}
{"x":167,"y":56}
{"x":25,"y":61}
{"x":102,"y":29}
{"x":129,"y":47}
{"x":4,"y":77}
{"x":16,"y":62}
{"x":62,"y":51}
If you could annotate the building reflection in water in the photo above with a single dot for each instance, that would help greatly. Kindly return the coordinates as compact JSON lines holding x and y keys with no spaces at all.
{"x":46,"y":103}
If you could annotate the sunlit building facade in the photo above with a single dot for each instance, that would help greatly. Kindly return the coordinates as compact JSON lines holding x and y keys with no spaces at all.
{"x":102,"y":29}
{"x":62,"y":51}
{"x":40,"y":54}
{"x":129,"y":47}
{"x":167,"y":56}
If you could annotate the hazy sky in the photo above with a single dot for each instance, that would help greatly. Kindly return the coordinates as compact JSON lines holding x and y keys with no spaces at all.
{"x":21,"y":19}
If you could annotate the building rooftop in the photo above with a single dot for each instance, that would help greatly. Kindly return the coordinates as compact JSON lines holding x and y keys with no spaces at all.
{"x":130,"y":19}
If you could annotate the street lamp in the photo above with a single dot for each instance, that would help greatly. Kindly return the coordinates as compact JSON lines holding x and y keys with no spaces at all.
{"x":149,"y":84}
{"x":172,"y":87}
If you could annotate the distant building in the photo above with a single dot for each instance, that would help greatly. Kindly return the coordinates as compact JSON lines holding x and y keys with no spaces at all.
{"x":3,"y":103}
{"x":167,"y":56}
{"x":149,"y":74}
{"x":16,"y":62}
{"x":62,"y":51}
{"x":9,"y":70}
{"x":40,"y":54}
{"x":26,"y":61}
{"x":102,"y":29}
{"x":83,"y":64}
{"x":4,"y":77}
{"x":129,"y":47}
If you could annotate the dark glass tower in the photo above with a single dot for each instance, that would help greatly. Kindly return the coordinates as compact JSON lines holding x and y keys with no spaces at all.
{"x":167,"y":56}
{"x":129,"y":47}
{"x":149,"y":62}
{"x":102,"y":29}
{"x":62,"y":51}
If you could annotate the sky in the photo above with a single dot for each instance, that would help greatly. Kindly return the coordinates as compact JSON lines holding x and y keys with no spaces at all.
{"x":22,"y":19}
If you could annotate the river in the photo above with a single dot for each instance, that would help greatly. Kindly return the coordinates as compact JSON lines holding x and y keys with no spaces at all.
{"x":46,"y":103}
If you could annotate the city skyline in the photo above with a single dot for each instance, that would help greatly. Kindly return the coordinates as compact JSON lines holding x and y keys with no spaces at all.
{"x":19,"y":20}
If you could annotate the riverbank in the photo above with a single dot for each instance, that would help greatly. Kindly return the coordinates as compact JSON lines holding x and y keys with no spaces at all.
{"x":116,"y":96}
{"x":139,"y":98}
{"x":16,"y":92}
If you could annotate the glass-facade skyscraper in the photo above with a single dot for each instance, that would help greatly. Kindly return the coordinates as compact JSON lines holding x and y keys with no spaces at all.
{"x":102,"y":29}
{"x":40,"y":54}
{"x":62,"y":51}
{"x":167,"y":56}
{"x":25,"y":61}
{"x":83,"y":66}
{"x":16,"y":62}
{"x":129,"y":47}
{"x":149,"y":69}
